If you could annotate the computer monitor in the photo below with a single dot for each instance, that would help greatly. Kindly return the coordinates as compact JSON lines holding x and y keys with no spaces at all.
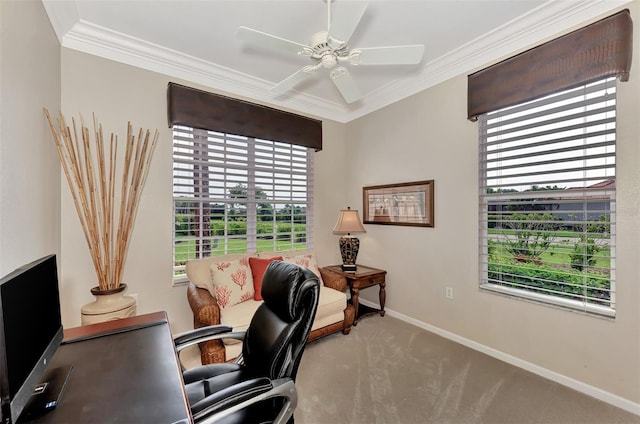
{"x":30,"y":331}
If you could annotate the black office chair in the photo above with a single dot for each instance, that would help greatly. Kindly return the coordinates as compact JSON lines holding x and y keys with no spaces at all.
{"x":259,"y":387}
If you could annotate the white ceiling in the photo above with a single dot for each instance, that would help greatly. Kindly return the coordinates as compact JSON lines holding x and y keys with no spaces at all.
{"x":196,"y":40}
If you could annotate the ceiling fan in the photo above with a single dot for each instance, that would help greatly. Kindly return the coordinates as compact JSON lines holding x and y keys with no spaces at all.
{"x":328,"y":49}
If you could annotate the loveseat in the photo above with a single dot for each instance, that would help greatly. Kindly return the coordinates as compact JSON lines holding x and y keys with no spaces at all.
{"x":225,"y":290}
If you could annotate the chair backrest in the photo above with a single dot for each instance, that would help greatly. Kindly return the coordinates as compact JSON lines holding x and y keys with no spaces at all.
{"x":278,"y":332}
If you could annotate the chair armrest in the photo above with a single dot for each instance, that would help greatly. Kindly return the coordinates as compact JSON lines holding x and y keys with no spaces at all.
{"x":333,"y":280}
{"x":199,"y":333}
{"x":244,"y":394}
{"x":233,"y":395}
{"x":203,"y":334}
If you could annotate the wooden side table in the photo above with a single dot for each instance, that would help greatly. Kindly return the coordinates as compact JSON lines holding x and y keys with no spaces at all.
{"x":363,"y":277}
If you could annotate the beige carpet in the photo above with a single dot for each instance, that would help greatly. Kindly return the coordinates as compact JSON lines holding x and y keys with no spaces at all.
{"x":388,"y":371}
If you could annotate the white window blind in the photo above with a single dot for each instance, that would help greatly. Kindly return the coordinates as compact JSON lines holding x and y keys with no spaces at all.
{"x":236,"y":194}
{"x":547,"y":199}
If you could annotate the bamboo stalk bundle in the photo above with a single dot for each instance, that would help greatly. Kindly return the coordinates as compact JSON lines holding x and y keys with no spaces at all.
{"x":105,"y":198}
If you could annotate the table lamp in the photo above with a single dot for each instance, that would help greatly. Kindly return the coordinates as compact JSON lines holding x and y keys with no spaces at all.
{"x":349,"y":222}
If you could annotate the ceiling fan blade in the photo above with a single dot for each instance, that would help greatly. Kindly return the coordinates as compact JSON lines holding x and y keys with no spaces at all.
{"x":396,"y":55}
{"x":263,"y":39}
{"x":293,"y":79}
{"x":345,"y":17}
{"x":345,"y":84}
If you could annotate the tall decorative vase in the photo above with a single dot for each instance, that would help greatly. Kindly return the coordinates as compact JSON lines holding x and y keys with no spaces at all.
{"x":109,"y":305}
{"x":106,"y":183}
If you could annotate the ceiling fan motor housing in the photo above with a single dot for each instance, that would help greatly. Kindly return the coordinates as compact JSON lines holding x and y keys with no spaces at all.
{"x":327,"y":50}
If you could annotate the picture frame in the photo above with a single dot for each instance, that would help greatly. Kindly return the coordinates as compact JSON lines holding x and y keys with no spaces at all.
{"x":409,"y":204}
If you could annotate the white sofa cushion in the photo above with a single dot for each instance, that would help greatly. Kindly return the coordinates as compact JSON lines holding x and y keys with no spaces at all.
{"x":331,"y":305}
{"x":238,"y":317}
{"x":331,"y":302}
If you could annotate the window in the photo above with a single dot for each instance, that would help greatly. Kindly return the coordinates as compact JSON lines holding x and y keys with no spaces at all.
{"x":236,"y":194}
{"x":547,"y":199}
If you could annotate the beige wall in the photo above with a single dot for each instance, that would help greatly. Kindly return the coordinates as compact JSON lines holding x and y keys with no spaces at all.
{"x":29,"y":170}
{"x":425,"y":136}
{"x":428,"y":137}
{"x":119,"y":93}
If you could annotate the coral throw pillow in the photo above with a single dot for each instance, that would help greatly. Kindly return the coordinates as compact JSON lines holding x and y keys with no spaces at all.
{"x":258,"y":267}
{"x":307,"y":261}
{"x":232,"y":282}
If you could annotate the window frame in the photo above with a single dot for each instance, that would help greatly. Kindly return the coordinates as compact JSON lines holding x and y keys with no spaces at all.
{"x":228,"y":159}
{"x":504,"y":284}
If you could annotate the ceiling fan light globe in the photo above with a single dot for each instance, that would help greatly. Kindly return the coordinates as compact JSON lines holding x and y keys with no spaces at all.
{"x":328,"y":61}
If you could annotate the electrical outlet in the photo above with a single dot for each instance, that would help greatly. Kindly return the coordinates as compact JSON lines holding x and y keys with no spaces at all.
{"x":448,"y":292}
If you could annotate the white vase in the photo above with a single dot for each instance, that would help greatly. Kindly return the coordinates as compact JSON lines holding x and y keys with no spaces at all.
{"x":109,"y":305}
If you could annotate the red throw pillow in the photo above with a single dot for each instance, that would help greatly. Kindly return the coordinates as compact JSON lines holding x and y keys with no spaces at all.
{"x":258,"y":267}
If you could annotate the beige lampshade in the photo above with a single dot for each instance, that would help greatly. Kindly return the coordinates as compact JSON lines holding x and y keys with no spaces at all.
{"x":348,"y":222}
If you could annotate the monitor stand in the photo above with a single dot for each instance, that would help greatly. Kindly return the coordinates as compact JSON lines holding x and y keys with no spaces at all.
{"x":47,"y":394}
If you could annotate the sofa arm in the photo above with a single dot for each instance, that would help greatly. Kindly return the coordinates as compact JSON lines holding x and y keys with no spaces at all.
{"x":206,"y":312}
{"x":333,"y":280}
{"x":204,"y":306}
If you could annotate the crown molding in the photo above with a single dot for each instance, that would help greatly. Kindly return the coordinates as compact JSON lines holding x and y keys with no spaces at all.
{"x":542,"y":23}
{"x":103,"y":42}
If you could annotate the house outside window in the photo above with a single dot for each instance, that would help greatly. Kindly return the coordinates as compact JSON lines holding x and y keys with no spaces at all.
{"x":237,"y":194}
{"x":547,"y":199}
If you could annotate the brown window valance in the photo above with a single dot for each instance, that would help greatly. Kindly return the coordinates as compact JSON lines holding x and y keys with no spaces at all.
{"x":602,"y":49}
{"x":200,"y":109}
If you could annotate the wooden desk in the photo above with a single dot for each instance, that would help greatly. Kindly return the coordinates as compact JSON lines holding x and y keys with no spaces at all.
{"x":363,"y":277}
{"x":124,"y":371}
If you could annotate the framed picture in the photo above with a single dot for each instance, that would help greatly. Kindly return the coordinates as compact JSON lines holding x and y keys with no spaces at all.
{"x":399,"y":204}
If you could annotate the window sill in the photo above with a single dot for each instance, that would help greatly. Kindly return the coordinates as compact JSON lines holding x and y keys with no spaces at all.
{"x":552,"y":301}
{"x":180,"y":280}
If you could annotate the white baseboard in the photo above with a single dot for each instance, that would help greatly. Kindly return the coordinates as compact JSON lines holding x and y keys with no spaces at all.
{"x":587,"y":389}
